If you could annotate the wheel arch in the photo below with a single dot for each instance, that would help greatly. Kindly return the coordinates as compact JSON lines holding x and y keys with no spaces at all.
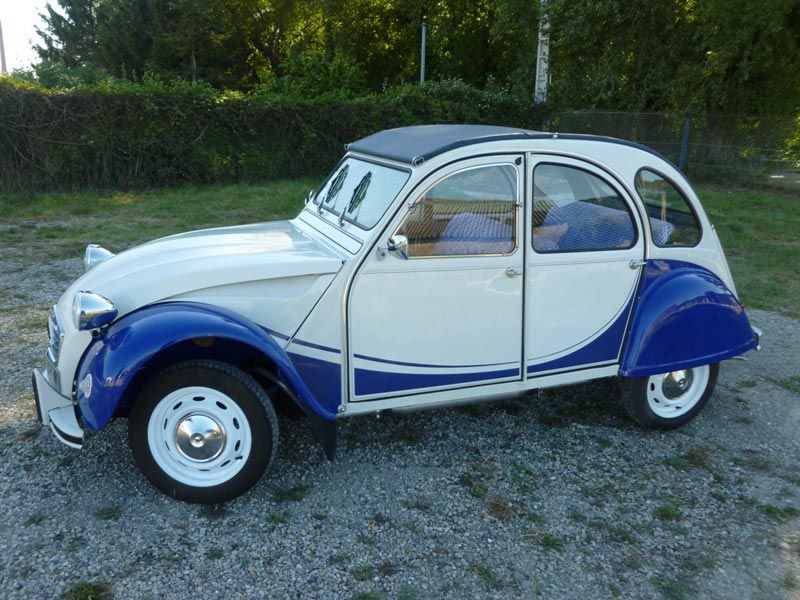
{"x":685,"y":317}
{"x":144,"y":342}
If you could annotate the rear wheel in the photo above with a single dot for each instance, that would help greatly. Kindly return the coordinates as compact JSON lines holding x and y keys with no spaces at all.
{"x":203,"y":431}
{"x":668,"y":400}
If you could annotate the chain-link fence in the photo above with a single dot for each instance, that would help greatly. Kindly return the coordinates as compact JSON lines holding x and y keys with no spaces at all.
{"x":719,"y":148}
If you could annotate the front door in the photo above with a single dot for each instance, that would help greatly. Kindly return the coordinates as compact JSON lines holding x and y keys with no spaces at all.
{"x":443,"y":309}
{"x":582,"y":267}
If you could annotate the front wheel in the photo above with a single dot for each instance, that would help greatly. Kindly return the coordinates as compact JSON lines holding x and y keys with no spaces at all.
{"x":203,"y":431}
{"x":668,"y":400}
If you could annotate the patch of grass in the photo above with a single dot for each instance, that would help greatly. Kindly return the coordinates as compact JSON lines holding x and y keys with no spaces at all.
{"x":622,"y":534}
{"x":719,"y":497}
{"x":695,"y":457}
{"x":214,"y":553}
{"x":369,"y":596}
{"x":550,"y":542}
{"x":277,"y":518}
{"x":34,"y":519}
{"x":747,"y":384}
{"x":292,"y":494}
{"x":474,"y":487}
{"x":764,"y":255}
{"x":419,"y":503}
{"x":667,"y":512}
{"x":779,"y":514}
{"x":28,"y":434}
{"x":212,"y":512}
{"x":84,"y":590}
{"x":387,"y":568}
{"x":672,"y":589}
{"x":380,"y":519}
{"x":338,"y":559}
{"x":108,"y":513}
{"x":791,"y":384}
{"x":789,"y":581}
{"x":500,"y":507}
{"x":364,"y":573}
{"x":488,"y":576}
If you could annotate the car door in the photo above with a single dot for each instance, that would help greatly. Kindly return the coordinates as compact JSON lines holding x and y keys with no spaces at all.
{"x":439,"y":305}
{"x":582,"y":267}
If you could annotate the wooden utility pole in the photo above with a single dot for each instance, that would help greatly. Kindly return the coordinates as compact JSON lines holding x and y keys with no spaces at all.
{"x":2,"y":52}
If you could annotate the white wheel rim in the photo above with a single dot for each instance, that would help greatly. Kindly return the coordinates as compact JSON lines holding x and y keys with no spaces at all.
{"x":199,"y":436}
{"x":671,"y":395}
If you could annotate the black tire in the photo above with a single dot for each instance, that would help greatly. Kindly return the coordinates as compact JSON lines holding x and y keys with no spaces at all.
{"x":251,"y":400}
{"x":634,"y":397}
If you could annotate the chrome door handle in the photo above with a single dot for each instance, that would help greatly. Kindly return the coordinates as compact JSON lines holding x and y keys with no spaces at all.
{"x":512,"y":272}
{"x":636,"y":263}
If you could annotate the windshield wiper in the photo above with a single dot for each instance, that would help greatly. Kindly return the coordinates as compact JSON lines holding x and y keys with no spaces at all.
{"x":357,"y":198}
{"x":333,"y":190}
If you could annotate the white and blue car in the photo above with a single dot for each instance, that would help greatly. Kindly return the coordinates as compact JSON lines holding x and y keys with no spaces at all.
{"x":436,"y":265}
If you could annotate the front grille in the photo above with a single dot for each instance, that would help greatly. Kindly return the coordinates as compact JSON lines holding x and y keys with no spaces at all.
{"x":56,"y":337}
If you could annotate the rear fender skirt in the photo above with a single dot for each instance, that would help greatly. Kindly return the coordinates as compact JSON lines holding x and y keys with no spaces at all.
{"x":685,"y":317}
{"x":115,"y":357}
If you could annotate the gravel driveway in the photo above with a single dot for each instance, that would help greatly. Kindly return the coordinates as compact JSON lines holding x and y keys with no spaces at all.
{"x":553,"y":495}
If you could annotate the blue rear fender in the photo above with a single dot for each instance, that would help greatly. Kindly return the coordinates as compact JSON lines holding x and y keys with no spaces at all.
{"x":685,"y":317}
{"x":162,"y":334}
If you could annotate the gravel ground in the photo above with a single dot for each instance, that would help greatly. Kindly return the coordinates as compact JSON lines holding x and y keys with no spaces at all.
{"x":553,"y":495}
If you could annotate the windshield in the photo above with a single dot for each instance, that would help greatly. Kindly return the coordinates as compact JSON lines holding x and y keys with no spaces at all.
{"x":360,"y":192}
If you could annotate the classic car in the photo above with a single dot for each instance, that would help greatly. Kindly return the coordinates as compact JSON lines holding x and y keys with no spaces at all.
{"x":436,"y":265}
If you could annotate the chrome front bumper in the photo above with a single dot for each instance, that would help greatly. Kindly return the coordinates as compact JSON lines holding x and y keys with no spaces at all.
{"x":57,"y":411}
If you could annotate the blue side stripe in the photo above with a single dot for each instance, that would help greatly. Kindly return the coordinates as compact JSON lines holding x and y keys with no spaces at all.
{"x":315,"y":346}
{"x":380,"y":382}
{"x":411,"y":364}
{"x":604,"y":348}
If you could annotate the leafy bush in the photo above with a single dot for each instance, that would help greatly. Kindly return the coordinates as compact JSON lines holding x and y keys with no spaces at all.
{"x":118,"y":134}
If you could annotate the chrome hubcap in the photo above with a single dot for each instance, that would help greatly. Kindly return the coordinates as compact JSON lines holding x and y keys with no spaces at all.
{"x":676,"y":383}
{"x":673,"y":394}
{"x":200,"y":437}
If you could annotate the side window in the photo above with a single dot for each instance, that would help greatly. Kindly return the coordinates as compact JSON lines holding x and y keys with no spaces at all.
{"x":574,"y":211}
{"x":672,"y":222}
{"x":470,"y":212}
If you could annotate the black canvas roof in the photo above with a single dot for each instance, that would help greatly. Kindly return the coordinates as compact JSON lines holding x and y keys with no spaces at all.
{"x":421,"y":142}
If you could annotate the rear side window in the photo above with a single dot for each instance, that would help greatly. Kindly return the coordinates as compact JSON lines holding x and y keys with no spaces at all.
{"x":672,"y":221}
{"x":576,"y":211}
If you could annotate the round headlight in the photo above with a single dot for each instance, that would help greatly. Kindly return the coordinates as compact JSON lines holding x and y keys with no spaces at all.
{"x":92,"y":311}
{"x":94,"y":255}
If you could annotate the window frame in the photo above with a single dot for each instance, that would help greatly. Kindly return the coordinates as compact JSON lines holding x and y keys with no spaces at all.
{"x":629,"y":209}
{"x":519,"y":183}
{"x":316,"y":201}
{"x":677,"y":188}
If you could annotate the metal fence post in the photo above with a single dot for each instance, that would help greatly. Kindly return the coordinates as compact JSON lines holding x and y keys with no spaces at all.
{"x":687,"y":129}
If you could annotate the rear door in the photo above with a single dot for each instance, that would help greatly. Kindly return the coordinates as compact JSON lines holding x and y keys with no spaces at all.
{"x":582,"y":266}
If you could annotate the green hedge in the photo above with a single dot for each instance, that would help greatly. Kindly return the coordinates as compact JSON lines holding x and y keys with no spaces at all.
{"x":126,"y":135}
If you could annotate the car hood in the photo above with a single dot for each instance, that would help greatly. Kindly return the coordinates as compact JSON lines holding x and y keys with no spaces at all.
{"x":180,"y":264}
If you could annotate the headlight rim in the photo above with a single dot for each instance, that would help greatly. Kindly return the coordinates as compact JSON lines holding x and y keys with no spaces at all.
{"x":91,"y":310}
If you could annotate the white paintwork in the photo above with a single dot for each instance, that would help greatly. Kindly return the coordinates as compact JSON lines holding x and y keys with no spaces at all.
{"x":571,"y":298}
{"x":178,"y":405}
{"x":272,"y":273}
{"x":462,"y":314}
{"x":276,"y":273}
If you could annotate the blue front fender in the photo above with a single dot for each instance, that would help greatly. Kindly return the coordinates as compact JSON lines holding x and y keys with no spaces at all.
{"x":117,"y":355}
{"x":685,"y":317}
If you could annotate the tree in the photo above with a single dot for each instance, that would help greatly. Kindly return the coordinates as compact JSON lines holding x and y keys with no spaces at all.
{"x":70,"y":34}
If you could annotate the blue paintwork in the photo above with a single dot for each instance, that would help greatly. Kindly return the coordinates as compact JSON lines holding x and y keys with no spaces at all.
{"x":380,"y":382}
{"x":323,"y":378}
{"x":603,"y":349}
{"x":685,"y":317}
{"x":114,"y":358}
